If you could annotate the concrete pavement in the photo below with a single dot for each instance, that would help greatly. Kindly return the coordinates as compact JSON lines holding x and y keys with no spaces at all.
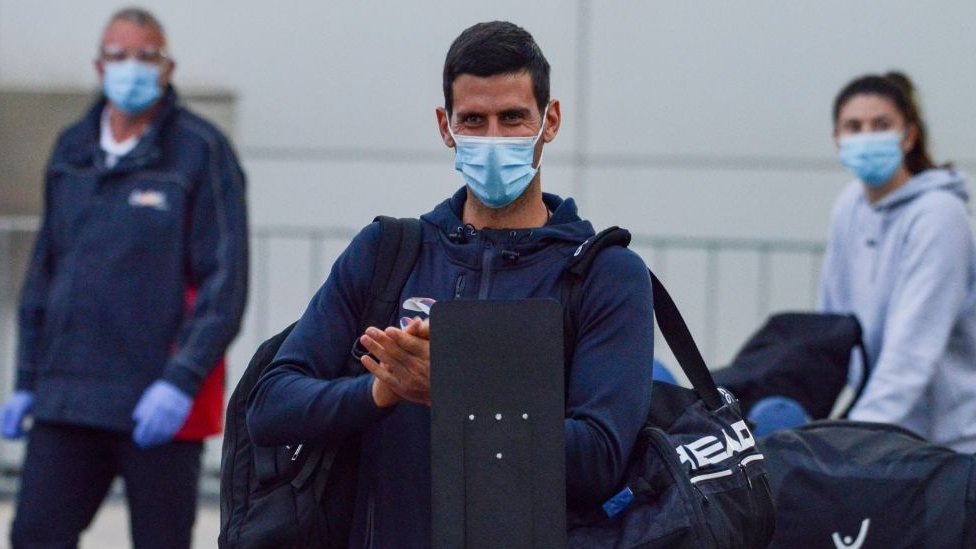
{"x":110,"y":529}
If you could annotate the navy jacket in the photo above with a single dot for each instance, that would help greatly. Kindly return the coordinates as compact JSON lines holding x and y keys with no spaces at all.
{"x":103,"y":311}
{"x":300,"y":398}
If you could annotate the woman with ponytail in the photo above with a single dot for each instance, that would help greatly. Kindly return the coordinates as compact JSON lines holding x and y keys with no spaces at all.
{"x":901,"y":257}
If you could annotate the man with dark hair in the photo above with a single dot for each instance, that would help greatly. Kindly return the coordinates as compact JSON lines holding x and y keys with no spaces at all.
{"x":498,"y":237}
{"x":136,"y":286}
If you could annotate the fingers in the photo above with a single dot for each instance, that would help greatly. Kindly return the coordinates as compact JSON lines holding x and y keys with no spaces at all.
{"x":14,"y":412}
{"x":390,"y":377}
{"x":146,"y":433}
{"x":401,"y":362}
{"x":11,"y":424}
{"x":414,"y":337}
{"x":400,"y":346}
{"x":379,"y":370}
{"x":419,"y":328}
{"x":395,"y":360}
{"x":413,"y":345}
{"x":382,"y":346}
{"x":382,"y":394}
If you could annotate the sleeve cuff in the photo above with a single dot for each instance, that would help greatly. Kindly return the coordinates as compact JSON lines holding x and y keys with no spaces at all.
{"x":365,"y":391}
{"x":184,"y":378}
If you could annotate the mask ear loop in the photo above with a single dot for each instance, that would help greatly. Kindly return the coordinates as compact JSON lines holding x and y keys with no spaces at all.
{"x":542,"y":127}
{"x":449,"y":129}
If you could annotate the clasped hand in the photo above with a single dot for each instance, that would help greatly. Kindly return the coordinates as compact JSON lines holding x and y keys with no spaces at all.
{"x":402,"y":365}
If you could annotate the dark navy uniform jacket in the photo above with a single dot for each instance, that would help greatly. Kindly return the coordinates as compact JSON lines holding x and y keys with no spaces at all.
{"x":103,"y":311}
{"x":301,"y":397}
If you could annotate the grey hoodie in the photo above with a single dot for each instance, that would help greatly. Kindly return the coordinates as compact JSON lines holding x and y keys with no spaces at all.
{"x":906,"y":266}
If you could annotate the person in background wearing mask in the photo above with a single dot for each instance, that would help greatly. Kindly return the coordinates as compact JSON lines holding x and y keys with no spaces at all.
{"x":136,"y":286}
{"x":901,"y":258}
{"x":498,"y":237}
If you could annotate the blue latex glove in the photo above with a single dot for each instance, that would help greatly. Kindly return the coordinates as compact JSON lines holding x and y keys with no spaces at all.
{"x":160,"y":413}
{"x":14,"y":411}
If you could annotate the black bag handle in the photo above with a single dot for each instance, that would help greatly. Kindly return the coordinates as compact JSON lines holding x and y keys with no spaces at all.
{"x":679,"y":339}
{"x":865,"y":373}
{"x":672,"y":325}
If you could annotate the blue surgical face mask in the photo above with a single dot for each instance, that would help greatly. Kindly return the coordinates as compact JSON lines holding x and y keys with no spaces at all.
{"x":132,"y":86}
{"x":496,"y":169}
{"x":873,"y":157}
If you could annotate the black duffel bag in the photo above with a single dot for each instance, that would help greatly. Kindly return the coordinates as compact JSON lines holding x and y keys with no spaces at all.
{"x":860,"y":485}
{"x":696,"y":478}
{"x":799,"y":355}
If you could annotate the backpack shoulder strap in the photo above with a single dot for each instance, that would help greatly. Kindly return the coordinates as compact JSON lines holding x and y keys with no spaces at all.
{"x":396,"y":256}
{"x":395,"y":259}
{"x":669,"y":319}
{"x":575,"y":271}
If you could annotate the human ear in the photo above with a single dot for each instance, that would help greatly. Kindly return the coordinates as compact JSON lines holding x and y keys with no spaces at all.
{"x":911,"y":137}
{"x":167,"y":73}
{"x":553,"y":120}
{"x":443,"y":119}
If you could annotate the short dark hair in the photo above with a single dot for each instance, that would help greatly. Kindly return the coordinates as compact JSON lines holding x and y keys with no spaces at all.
{"x":496,"y":47}
{"x":899,"y":89}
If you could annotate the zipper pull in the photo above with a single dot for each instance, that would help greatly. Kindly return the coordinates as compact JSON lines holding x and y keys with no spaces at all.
{"x":298,"y":450}
{"x":746,"y":473}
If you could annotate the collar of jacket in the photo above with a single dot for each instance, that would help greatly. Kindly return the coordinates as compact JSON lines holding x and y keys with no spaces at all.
{"x":87,"y":151}
{"x":464,"y":245}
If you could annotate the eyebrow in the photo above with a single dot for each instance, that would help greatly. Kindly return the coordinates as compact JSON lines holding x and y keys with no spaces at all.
{"x":871,"y":120}
{"x":523,"y":111}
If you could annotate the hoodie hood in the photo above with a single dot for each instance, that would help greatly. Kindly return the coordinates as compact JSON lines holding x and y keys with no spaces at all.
{"x":935,"y":179}
{"x":464,"y":243}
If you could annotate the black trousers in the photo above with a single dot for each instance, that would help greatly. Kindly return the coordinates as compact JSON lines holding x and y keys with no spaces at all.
{"x":68,"y":471}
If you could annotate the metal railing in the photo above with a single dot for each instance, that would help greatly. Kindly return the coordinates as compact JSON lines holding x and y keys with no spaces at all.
{"x":709,"y":277}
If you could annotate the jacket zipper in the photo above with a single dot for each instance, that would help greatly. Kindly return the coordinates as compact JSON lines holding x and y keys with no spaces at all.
{"x":486,"y":259}
{"x":459,"y":286}
{"x":368,"y":541}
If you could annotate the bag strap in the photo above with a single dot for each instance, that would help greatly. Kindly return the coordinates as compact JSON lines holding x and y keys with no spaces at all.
{"x":398,"y":249}
{"x":572,"y":292}
{"x":396,"y":255}
{"x":679,"y":339}
{"x":861,"y":384}
{"x":672,"y":325}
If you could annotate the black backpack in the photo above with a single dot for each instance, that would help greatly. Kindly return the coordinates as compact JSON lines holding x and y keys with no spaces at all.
{"x":292,"y":497}
{"x":695,"y":478}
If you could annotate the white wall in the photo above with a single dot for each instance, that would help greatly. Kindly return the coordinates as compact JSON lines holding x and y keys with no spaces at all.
{"x":705,"y":118}
{"x":714,"y":113}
